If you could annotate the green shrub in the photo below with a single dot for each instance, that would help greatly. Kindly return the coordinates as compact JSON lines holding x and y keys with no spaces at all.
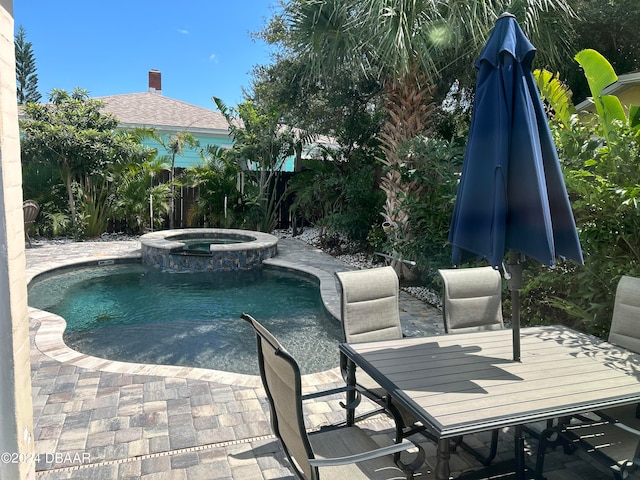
{"x":430,"y":206}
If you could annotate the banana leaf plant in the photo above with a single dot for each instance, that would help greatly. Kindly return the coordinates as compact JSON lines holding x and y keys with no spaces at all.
{"x":599,"y":74}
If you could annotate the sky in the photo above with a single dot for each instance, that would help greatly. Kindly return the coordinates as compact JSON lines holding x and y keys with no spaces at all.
{"x":202,"y":48}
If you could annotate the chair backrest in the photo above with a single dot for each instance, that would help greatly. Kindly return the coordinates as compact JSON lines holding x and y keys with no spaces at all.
{"x":472,"y":299}
{"x":281,"y":380}
{"x":625,"y":323}
{"x":369,"y":305}
{"x":30,"y":210}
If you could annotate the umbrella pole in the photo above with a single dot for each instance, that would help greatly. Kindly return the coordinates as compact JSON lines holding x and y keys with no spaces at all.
{"x":515,"y":284}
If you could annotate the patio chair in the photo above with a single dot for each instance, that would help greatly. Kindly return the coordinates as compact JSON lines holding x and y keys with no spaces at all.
{"x":331,"y":452}
{"x":370,"y":312}
{"x":30,"y":210}
{"x":611,"y":436}
{"x":625,"y":323}
{"x":472,"y":299}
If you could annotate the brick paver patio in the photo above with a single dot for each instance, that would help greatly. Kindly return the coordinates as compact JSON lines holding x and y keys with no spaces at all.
{"x":98,"y":419}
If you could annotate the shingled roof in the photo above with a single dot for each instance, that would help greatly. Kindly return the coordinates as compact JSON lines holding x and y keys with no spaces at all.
{"x":153,"y":110}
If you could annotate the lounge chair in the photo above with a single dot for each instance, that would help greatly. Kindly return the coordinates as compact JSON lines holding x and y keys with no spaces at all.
{"x":330,"y":453}
{"x":611,"y":436}
{"x":370,"y":312}
{"x":30,"y":210}
{"x":472,"y":299}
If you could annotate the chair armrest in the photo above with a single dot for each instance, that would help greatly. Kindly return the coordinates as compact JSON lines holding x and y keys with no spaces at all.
{"x":324,"y":393}
{"x":627,"y":428}
{"x":613,"y":421}
{"x":334,"y":391}
{"x":360,"y":457}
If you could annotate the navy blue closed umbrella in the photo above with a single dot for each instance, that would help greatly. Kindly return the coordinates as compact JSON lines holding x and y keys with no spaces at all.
{"x":512,"y":196}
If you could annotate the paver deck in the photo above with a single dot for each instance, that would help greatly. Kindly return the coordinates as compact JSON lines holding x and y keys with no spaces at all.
{"x":99,"y":419}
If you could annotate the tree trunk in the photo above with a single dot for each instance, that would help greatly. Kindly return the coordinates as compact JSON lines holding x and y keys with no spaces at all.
{"x":173,"y":193}
{"x":72,"y":202}
{"x":408,"y":106}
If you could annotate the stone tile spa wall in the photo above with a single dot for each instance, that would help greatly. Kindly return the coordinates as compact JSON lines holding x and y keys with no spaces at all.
{"x":166,"y":249}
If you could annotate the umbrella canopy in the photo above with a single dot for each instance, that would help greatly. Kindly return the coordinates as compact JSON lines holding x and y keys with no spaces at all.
{"x":512,"y":195}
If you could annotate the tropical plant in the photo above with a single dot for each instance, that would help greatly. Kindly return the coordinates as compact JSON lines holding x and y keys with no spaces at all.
{"x":261,"y":147}
{"x":26,"y":76}
{"x":404,"y":45}
{"x":557,"y":96}
{"x":610,"y":28}
{"x":83,"y":144}
{"x":174,"y":145}
{"x":600,"y":74}
{"x":138,"y":200}
{"x":341,"y":197}
{"x":433,"y":177}
{"x":600,"y":153}
{"x":336,"y":184}
{"x":219,"y":201}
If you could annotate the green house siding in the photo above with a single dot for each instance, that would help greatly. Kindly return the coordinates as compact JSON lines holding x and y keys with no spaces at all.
{"x":191,"y":156}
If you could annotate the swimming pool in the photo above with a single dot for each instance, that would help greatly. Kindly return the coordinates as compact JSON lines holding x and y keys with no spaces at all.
{"x":139,"y":314}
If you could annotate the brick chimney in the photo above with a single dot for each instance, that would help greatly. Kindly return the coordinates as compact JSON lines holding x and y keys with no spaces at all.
{"x":155,"y":81}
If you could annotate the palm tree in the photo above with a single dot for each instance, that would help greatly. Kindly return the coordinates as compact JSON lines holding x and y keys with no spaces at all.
{"x":174,"y":146}
{"x":405,"y":45}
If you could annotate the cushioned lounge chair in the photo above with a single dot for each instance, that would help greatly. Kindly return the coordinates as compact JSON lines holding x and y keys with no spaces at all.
{"x":330,"y":453}
{"x":30,"y":210}
{"x":611,"y":436}
{"x":370,"y":312}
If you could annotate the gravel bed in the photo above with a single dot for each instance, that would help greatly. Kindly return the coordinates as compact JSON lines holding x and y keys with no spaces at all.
{"x":312,"y":236}
{"x":105,"y":237}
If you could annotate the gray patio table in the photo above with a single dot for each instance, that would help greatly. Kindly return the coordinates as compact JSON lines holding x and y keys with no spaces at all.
{"x":468,"y":383}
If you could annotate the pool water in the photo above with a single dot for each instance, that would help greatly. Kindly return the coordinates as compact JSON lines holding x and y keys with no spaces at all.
{"x":204,"y":245}
{"x":140,"y":314}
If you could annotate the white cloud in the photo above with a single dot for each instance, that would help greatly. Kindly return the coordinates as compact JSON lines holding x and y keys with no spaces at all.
{"x":213,"y":58}
{"x":183,"y":31}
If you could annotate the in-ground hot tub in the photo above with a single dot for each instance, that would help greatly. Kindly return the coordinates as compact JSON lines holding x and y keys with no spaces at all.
{"x":186,"y":250}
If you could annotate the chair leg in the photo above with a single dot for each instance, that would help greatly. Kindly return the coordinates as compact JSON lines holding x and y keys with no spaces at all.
{"x":544,"y":439}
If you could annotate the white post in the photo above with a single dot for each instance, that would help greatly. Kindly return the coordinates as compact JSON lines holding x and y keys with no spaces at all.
{"x":151,"y":211}
{"x":16,"y":418}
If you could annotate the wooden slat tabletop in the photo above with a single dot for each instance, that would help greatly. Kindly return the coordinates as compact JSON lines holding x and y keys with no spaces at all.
{"x":467,"y":383}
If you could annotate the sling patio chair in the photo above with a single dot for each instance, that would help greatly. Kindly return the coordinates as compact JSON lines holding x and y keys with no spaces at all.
{"x":370,"y":311}
{"x":30,"y":210}
{"x":610,"y":436}
{"x":331,"y":453}
{"x":472,"y":301}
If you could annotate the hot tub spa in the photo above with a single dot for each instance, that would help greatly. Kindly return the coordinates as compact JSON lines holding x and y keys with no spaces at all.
{"x":206,"y":249}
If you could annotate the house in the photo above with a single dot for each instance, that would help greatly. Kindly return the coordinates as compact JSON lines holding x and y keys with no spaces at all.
{"x":167,"y":117}
{"x":627,"y":89}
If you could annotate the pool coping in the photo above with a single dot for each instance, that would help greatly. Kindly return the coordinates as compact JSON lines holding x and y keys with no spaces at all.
{"x":166,"y":239}
{"x":49,"y":332}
